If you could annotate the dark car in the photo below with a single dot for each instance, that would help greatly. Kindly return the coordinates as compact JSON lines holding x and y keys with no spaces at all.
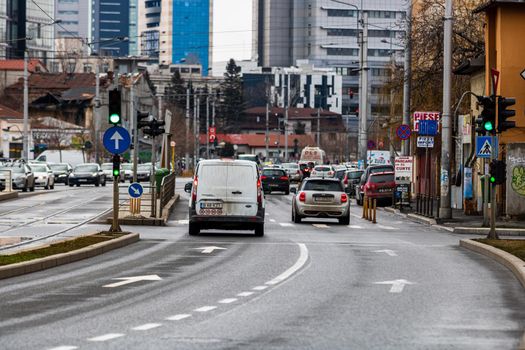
{"x":359,"y":190}
{"x":351,"y":179}
{"x":61,"y":171}
{"x":84,"y":174}
{"x":305,"y":169}
{"x":380,"y":186}
{"x":275,"y":180}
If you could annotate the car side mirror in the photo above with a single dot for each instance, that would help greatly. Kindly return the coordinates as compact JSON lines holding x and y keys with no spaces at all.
{"x":187,"y":187}
{"x":293,"y":190}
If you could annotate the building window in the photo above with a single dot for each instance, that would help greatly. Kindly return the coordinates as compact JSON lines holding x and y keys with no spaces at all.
{"x":341,"y":32}
{"x":341,"y":13}
{"x":87,"y":68}
{"x":309,"y":48}
{"x":339,"y":51}
{"x":309,"y":29}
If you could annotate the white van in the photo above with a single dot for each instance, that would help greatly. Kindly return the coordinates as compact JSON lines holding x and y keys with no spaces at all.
{"x":73,"y":157}
{"x":226,"y":194}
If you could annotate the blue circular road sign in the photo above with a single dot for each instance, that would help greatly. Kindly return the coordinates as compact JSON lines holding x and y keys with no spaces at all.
{"x":117,"y":140}
{"x":403,"y":132}
{"x":135,"y":190}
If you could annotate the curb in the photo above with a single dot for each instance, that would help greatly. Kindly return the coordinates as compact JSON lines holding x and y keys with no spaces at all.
{"x":8,"y":195}
{"x":148,"y":221}
{"x":513,"y":263}
{"x":485,"y":231}
{"x":66,"y":258}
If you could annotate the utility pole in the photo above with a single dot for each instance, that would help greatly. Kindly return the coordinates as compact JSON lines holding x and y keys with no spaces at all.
{"x":363,"y":105}
{"x":319,"y":126}
{"x":25,"y":135}
{"x":445,"y":212}
{"x":96,"y":114}
{"x":208,"y":126}
{"x":267,"y":132}
{"x":133,"y":119}
{"x":186,"y":143}
{"x":213,"y":110}
{"x":407,"y":79}
{"x":286,"y":118}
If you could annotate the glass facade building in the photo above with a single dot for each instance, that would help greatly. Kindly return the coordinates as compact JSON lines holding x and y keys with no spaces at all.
{"x":110,"y":24}
{"x":192,"y":24}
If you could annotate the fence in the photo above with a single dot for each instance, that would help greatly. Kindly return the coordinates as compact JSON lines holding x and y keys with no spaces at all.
{"x":427,"y":205}
{"x":167,"y":191}
{"x":6,"y":180}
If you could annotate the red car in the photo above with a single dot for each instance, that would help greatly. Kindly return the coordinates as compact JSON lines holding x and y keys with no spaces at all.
{"x":380,"y":186}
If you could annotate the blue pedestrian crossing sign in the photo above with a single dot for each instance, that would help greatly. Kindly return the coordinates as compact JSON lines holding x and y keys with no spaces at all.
{"x":117,"y":140}
{"x":135,"y":190}
{"x":484,"y":147}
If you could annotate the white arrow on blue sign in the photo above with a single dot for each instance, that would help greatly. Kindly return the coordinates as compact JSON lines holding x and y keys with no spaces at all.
{"x":135,"y":190}
{"x":117,"y":140}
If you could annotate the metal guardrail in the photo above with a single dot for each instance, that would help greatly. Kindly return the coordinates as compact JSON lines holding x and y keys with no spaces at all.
{"x":167,"y":191}
{"x":6,"y":179}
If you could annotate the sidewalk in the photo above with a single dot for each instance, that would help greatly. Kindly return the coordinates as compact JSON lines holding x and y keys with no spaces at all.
{"x":463,"y":224}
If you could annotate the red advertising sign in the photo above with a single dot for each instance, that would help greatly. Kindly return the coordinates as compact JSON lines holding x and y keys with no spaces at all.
{"x":425,"y":116}
{"x":212,"y":134}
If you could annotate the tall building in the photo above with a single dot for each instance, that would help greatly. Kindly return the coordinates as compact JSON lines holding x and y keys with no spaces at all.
{"x":111,"y":29}
{"x":192,"y":23}
{"x":325,"y":34}
{"x":74,"y":21}
{"x":149,"y":14}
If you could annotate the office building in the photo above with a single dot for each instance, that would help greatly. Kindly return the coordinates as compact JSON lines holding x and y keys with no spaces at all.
{"x":112,"y":26}
{"x":74,"y":21}
{"x":149,"y":14}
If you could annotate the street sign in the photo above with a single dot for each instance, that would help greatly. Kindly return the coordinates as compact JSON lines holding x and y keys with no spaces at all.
{"x":523,"y":74}
{"x":424,"y":116}
{"x":173,"y":144}
{"x":403,"y":132}
{"x":378,"y":157}
{"x":403,"y":168}
{"x":116,"y":140}
{"x":371,"y":144}
{"x":484,"y":146}
{"x":494,"y":74}
{"x":135,"y":190}
{"x":425,"y":141}
{"x":212,"y":131}
{"x":428,"y":127}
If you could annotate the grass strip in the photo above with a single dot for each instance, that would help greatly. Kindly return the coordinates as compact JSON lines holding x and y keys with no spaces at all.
{"x":57,"y":248}
{"x":515,"y":247}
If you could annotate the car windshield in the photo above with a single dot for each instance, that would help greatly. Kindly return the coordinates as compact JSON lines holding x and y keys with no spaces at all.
{"x":291,"y":166}
{"x":39,"y":168}
{"x":108,"y":166}
{"x":355,"y":174}
{"x":273,"y":172}
{"x":380,"y":178}
{"x":320,"y":185}
{"x":86,"y":168}
{"x":127,"y":166}
{"x":322,"y":168}
{"x":340,"y":174}
{"x":144,"y":167}
{"x":59,"y":167}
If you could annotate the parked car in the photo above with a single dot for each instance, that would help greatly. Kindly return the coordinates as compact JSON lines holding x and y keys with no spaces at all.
{"x":22,"y":176}
{"x":143,"y":172}
{"x":380,"y":186}
{"x":226,"y":194}
{"x":323,"y":171}
{"x":359,"y":191}
{"x":44,"y":176}
{"x":321,"y":198}
{"x":61,"y":172}
{"x":351,"y":179}
{"x":88,"y":173}
{"x":275,"y":180}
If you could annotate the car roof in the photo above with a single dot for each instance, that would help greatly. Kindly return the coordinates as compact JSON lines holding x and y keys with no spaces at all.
{"x":227,"y":161}
{"x":383,"y":173}
{"x":332,"y":179}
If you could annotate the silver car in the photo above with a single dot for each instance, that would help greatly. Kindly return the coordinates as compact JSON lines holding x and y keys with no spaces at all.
{"x":323,"y":171}
{"x":321,"y":198}
{"x":294,"y":171}
{"x":44,"y":176}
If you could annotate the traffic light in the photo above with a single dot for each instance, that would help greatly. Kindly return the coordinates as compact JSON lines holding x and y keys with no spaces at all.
{"x":486,"y":122}
{"x":142,"y":120}
{"x":498,"y":172}
{"x":155,"y":127}
{"x":114,"y":107}
{"x":116,"y":165}
{"x":504,"y":113}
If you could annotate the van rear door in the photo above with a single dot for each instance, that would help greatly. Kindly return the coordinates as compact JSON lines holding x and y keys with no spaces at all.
{"x":211,"y":189}
{"x":241,"y":199}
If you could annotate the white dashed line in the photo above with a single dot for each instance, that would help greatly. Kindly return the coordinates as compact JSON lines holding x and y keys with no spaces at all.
{"x":320,"y":225}
{"x":303,"y":258}
{"x":355,"y":226}
{"x":106,"y":337}
{"x":228,"y":301}
{"x":260,"y":288}
{"x":64,"y":347}
{"x":286,"y":224}
{"x":244,"y":294}
{"x":205,"y":308}
{"x":178,"y":317}
{"x":147,"y":326}
{"x":272,"y":220}
{"x":356,"y":216}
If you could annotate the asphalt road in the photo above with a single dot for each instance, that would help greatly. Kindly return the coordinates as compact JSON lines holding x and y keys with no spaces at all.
{"x":315,"y":285}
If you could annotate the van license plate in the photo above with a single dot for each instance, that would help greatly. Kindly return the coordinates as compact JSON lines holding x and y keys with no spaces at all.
{"x":211,"y":205}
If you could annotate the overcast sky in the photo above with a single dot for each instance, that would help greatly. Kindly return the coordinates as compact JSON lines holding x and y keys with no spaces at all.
{"x":232,"y":29}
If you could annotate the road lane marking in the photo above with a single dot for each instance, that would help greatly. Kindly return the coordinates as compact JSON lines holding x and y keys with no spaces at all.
{"x":320,"y":225}
{"x":128,"y":280}
{"x":228,"y":301}
{"x":205,"y":308}
{"x":244,"y":294}
{"x":64,"y":347}
{"x":260,"y":288}
{"x":387,"y":227}
{"x":147,"y":326}
{"x":386,"y":251}
{"x":301,"y":261}
{"x":183,"y":222}
{"x":286,"y":224}
{"x":210,"y":249}
{"x":178,"y":317}
{"x":106,"y":337}
{"x":356,"y":216}
{"x":272,"y":220}
{"x":355,"y":226}
{"x":397,"y":285}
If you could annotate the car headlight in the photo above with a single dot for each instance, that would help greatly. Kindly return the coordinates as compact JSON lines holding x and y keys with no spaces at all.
{"x":94,"y":174}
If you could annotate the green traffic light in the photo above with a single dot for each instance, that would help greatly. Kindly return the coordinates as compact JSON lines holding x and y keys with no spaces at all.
{"x":116,"y":172}
{"x":488,"y":126}
{"x":492,"y":179}
{"x":114,"y":119}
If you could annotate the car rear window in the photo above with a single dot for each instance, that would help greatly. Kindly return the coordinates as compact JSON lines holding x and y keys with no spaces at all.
{"x":320,"y":185}
{"x":291,"y":166}
{"x":381,"y":169}
{"x":340,"y":174}
{"x":303,"y":166}
{"x":322,"y":168}
{"x":273,"y":172}
{"x":382,"y":178}
{"x":355,"y":174}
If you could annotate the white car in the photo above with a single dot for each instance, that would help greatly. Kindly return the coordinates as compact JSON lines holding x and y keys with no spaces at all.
{"x":226,"y":194}
{"x":323,"y":171}
{"x":44,"y":176}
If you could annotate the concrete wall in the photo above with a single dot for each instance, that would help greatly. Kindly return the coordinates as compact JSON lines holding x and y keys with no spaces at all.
{"x":516,"y":180}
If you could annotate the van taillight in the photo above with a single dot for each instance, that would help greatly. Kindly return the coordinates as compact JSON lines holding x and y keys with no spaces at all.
{"x":259,"y":192}
{"x":302,"y":197}
{"x":194,"y":189}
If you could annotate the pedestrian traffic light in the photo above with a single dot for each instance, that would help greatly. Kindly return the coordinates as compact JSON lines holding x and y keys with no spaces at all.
{"x":498,"y":172}
{"x":486,"y":122}
{"x":114,"y":107}
{"x":504,"y":113}
{"x":116,"y":165}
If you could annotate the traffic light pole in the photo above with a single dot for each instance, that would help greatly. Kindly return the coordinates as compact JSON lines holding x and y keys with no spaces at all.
{"x":493,"y":206}
{"x":153,"y":187}
{"x":115,"y":227}
{"x":486,"y":218}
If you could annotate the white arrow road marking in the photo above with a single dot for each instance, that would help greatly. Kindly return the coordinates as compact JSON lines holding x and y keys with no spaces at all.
{"x":397,"y":285}
{"x":205,"y":308}
{"x":178,"y":317}
{"x":147,"y":326}
{"x":183,"y":222}
{"x":128,"y":280}
{"x":386,"y":251}
{"x":106,"y":337}
{"x":210,"y":249}
{"x":285,"y":224}
{"x":117,"y":138}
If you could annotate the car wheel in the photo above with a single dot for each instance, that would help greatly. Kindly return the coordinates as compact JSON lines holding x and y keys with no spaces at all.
{"x":78,"y":185}
{"x":52,"y":186}
{"x":46,"y":187}
{"x":259,"y":230}
{"x":296,"y":218}
{"x":359,"y":200}
{"x":97,"y":183}
{"x":287,"y":192}
{"x":104,"y":183}
{"x":70,"y":185}
{"x":194,"y":229}
{"x":24,"y":189}
{"x":345,"y":220}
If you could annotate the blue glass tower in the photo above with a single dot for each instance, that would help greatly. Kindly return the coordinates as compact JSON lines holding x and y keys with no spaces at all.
{"x":192,"y":32}
{"x":110,"y":25}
